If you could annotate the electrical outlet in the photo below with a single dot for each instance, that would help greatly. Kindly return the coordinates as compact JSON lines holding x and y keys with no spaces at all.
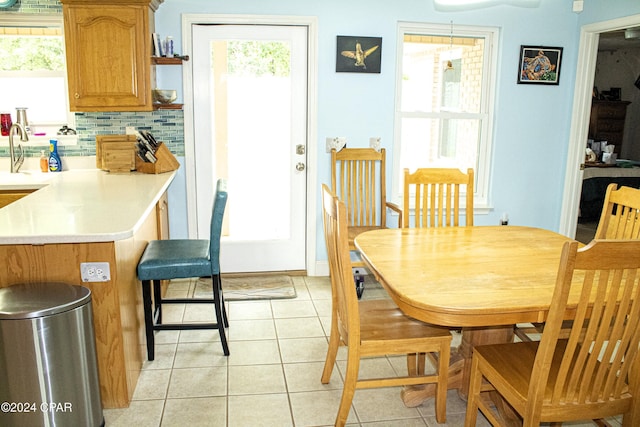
{"x":130,"y":130}
{"x":95,"y":271}
{"x":337,"y":142}
{"x":374,"y":142}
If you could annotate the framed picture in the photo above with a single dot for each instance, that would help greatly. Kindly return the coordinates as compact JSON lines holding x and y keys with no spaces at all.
{"x":358,"y":54}
{"x":539,"y":65}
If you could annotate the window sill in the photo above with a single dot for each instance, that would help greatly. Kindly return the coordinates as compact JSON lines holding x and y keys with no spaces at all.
{"x":40,"y":141}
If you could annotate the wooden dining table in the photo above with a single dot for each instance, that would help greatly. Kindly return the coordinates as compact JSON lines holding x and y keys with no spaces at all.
{"x":482,"y":280}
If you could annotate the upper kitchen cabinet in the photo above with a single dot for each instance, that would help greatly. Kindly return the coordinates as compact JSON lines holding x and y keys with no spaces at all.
{"x":108,"y":44}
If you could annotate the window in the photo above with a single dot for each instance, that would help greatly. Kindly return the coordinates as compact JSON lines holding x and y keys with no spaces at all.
{"x":33,"y":73}
{"x":445,"y":90}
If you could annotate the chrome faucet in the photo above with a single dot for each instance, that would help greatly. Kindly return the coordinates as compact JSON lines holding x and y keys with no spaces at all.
{"x":24,"y":137}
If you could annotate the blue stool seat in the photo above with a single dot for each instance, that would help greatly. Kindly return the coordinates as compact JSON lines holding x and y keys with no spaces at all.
{"x":175,"y":259}
{"x":180,"y":259}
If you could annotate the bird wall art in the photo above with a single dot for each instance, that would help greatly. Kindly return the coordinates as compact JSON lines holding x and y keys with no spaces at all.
{"x":358,"y":54}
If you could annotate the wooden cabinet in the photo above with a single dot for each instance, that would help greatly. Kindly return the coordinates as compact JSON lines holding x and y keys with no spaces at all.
{"x":108,"y":45}
{"x":9,"y":196}
{"x":607,"y":122}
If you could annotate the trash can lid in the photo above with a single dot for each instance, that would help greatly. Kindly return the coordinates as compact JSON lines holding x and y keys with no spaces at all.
{"x":32,"y":300}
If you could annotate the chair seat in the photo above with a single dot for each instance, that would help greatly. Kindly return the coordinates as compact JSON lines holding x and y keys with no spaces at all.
{"x":520,"y":358}
{"x":175,"y":259}
{"x":382,"y":320}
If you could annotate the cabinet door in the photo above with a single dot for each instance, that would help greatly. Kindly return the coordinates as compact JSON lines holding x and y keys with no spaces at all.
{"x":108,"y":51}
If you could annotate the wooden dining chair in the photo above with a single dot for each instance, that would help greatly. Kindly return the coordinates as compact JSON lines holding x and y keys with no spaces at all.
{"x":374,"y":327}
{"x":358,"y":178}
{"x":594,"y":373}
{"x":620,"y":219}
{"x":435,"y":195}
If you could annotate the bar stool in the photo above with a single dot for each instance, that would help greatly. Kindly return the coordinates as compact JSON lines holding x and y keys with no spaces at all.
{"x":184,"y":258}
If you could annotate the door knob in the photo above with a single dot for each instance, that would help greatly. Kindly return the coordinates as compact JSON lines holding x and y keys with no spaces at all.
{"x":300,"y":166}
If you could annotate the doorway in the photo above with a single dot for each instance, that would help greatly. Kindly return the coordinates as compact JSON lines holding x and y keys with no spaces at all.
{"x":587,"y":56}
{"x":249,"y":115}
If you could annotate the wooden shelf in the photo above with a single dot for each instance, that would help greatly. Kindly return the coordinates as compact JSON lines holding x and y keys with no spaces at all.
{"x":162,"y":60}
{"x":167,"y":106}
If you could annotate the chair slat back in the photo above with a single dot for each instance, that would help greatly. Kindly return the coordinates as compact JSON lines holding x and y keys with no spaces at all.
{"x":620,"y":218}
{"x":358,"y":179}
{"x":603,"y":343}
{"x":435,"y":193}
{"x":217,"y":216}
{"x":343,"y":291}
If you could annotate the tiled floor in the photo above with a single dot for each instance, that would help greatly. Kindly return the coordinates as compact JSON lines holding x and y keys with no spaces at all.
{"x":585,"y":231}
{"x":271,"y":378}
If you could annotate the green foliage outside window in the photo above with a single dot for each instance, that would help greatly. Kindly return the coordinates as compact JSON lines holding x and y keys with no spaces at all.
{"x":258,"y":58}
{"x":31,"y":53}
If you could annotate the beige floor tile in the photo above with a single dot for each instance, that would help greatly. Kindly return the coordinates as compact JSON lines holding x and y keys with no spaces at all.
{"x":241,"y":310}
{"x":152,"y":384}
{"x":323,"y":307}
{"x":140,"y":413}
{"x":292,"y":308}
{"x":256,"y":379}
{"x":411,"y":422}
{"x":302,"y":293}
{"x":307,"y":377}
{"x":298,"y":350}
{"x":317,"y":408}
{"x":164,"y":356}
{"x":254,"y":353}
{"x":172,"y":313}
{"x":167,"y":337}
{"x":197,"y":355}
{"x":200,"y":335}
{"x":378,"y":367}
{"x":259,"y":410}
{"x":195,"y":412}
{"x":301,"y":327}
{"x":247,"y":330}
{"x":198,"y":382}
{"x":381,"y":404}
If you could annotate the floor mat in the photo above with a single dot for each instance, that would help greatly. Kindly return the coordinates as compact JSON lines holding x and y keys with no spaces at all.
{"x":254,"y":287}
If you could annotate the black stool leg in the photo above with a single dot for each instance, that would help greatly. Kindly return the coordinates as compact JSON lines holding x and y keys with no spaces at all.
{"x":224,"y":309}
{"x":148,"y":318}
{"x":157,"y":302}
{"x":220,"y":318}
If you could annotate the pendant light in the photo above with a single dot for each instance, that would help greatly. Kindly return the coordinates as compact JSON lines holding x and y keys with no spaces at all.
{"x":449,"y":65}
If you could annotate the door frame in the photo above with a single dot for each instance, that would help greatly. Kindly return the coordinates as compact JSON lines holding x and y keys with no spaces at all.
{"x":585,"y":76}
{"x":188,"y":20}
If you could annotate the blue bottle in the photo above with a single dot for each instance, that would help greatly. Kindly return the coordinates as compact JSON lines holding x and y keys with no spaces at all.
{"x":55,"y":164}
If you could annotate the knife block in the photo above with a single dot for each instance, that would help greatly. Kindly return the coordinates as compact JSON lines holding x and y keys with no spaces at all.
{"x":166,"y":162}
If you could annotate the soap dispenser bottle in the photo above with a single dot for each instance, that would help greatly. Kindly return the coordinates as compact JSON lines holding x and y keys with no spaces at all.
{"x":55,"y":164}
{"x":44,"y":162}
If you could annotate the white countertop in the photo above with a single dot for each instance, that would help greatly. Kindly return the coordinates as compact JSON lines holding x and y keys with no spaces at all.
{"x":79,"y":206}
{"x":610,"y":172}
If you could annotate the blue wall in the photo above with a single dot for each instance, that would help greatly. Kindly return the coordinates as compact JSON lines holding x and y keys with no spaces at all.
{"x":532,"y":123}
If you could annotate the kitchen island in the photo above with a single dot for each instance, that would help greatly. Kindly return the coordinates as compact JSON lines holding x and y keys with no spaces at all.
{"x":91,"y":216}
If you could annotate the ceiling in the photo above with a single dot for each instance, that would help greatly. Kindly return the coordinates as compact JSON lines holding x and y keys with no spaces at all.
{"x":614,"y":40}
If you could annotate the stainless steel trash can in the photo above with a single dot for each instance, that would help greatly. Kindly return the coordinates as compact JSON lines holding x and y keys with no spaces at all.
{"x":48,"y":367}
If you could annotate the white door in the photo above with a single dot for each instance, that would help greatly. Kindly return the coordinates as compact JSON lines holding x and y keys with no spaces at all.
{"x":250,"y":127}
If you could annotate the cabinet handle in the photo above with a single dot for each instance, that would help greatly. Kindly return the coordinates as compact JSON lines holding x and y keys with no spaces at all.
{"x":77,"y":95}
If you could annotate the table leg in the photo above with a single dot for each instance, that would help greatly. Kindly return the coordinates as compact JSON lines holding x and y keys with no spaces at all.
{"x":460,"y":364}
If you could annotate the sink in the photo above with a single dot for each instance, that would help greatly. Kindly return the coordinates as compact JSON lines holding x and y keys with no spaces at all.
{"x":24,"y":180}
